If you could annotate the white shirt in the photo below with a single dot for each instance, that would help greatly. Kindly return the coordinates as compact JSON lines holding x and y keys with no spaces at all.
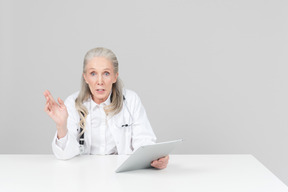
{"x":102,"y":139}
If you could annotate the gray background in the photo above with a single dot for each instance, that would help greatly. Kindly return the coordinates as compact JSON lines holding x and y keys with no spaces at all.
{"x":211,"y":72}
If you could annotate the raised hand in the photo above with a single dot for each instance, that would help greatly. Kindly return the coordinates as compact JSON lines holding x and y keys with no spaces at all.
{"x":58,"y":112}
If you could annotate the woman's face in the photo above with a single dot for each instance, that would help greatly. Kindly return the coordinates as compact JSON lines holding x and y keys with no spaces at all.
{"x":100,"y":76}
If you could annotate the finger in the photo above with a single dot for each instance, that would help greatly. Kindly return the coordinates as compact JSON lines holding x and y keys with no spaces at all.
{"x":166,"y":157}
{"x":47,"y":99}
{"x":53,"y":103}
{"x":162,"y":167}
{"x":158,"y":161}
{"x":50,"y":96}
{"x":163,"y":160}
{"x":61,"y":102}
{"x":45,"y":93}
{"x":47,"y":108}
{"x":49,"y":103}
{"x":156,"y":164}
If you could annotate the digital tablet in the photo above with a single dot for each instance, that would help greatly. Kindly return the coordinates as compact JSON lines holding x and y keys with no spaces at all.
{"x":144,"y":155}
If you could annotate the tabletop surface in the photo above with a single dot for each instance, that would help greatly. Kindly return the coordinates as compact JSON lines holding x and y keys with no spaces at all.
{"x":199,"y":173}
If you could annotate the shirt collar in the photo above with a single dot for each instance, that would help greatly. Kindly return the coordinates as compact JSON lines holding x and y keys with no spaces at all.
{"x":105,"y":103}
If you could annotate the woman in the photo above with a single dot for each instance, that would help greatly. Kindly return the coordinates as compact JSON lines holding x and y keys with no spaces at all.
{"x":112,"y":119}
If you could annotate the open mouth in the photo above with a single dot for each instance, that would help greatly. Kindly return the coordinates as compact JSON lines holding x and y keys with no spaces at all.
{"x":100,"y":90}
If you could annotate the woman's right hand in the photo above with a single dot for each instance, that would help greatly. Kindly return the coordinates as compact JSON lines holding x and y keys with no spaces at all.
{"x":58,"y":112}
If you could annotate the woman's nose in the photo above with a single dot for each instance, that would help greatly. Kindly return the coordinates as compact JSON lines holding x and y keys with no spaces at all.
{"x":99,"y":80}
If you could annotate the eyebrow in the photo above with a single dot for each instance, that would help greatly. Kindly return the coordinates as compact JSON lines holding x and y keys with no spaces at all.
{"x":106,"y":69}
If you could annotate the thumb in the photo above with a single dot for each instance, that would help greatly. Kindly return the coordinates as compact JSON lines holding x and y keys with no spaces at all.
{"x":61,"y":102}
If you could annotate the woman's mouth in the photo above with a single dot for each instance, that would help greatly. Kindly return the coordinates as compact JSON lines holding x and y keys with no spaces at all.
{"x":100,"y":90}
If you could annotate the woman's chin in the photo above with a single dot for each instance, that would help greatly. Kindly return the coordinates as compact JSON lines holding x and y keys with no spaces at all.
{"x":99,"y":98}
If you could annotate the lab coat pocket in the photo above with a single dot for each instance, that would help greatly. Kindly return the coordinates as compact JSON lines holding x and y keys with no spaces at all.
{"x":123,"y":121}
{"x":123,"y":129}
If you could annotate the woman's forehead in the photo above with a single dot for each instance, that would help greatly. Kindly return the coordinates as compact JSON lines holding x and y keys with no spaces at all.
{"x":99,"y":63}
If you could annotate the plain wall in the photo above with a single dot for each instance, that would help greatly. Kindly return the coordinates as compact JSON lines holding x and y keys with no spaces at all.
{"x":211,"y":72}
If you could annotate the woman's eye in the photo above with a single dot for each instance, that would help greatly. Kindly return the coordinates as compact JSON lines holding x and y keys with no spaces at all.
{"x":106,"y":73}
{"x":93,"y":74}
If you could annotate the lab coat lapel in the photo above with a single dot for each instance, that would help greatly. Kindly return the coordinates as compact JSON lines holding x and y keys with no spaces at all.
{"x":116,"y":132}
{"x":121,"y":138}
{"x":88,"y":126}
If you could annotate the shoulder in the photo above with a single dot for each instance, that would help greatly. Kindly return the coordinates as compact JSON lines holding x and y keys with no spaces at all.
{"x":130,"y":95}
{"x":70,"y":100}
{"x":132,"y":98}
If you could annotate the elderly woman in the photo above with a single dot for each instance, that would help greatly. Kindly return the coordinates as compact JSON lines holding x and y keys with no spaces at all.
{"x":112,"y":119}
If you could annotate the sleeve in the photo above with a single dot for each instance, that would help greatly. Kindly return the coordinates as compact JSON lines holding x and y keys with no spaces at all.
{"x":142,"y":133}
{"x":61,"y":142}
{"x":68,"y":146}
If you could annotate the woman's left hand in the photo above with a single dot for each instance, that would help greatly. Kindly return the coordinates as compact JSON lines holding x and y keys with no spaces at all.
{"x":160,"y":163}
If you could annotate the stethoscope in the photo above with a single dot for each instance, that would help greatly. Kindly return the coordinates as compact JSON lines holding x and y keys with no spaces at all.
{"x":81,"y":139}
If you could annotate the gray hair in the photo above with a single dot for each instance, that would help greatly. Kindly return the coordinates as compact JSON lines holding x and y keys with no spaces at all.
{"x":116,"y":95}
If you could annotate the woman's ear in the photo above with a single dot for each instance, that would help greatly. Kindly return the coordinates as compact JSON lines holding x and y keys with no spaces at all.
{"x":116,"y":77}
{"x":84,"y":76}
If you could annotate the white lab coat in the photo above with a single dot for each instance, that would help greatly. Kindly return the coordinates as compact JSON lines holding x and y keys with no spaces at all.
{"x":127,"y":139}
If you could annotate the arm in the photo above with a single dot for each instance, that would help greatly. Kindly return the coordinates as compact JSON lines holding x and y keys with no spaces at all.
{"x":71,"y":148}
{"x":64,"y":144}
{"x":143,"y":133}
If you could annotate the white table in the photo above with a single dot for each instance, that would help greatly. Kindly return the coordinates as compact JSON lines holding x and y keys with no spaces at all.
{"x":213,"y":173}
